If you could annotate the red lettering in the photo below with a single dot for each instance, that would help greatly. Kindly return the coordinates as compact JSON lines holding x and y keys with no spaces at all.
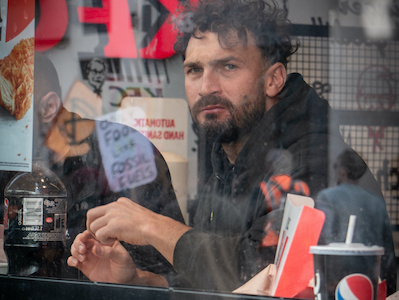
{"x":115,"y":14}
{"x":161,"y":46}
{"x":173,"y":135}
{"x":154,"y":123}
{"x":52,"y":25}
{"x":154,"y":135}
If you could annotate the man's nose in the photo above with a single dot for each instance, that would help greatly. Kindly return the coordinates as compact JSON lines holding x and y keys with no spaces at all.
{"x":210,"y":84}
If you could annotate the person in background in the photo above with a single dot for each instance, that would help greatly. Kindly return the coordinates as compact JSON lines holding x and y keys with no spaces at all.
{"x":79,"y":152}
{"x":242,"y":100}
{"x":349,"y":198}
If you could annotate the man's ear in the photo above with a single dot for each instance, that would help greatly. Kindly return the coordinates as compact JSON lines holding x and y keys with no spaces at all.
{"x":49,"y":106}
{"x":275,"y":78}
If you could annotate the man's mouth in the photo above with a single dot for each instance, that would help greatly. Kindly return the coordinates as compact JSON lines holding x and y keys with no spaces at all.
{"x":212,"y":109}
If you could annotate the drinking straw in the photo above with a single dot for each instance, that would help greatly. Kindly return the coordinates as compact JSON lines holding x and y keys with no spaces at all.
{"x":351,"y":228}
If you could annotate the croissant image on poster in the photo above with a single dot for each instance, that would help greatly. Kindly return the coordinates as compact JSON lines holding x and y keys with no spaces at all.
{"x":16,"y":78}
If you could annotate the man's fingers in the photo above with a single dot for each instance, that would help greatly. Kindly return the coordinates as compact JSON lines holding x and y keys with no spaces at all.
{"x":85,"y":238}
{"x":105,"y":225}
{"x":73,"y":262}
{"x":99,"y":217}
{"x":120,"y":220}
{"x":81,"y":244}
{"x":102,"y":230}
{"x":116,"y":252}
{"x":77,"y":255}
{"x":94,"y":214}
{"x":104,"y":235}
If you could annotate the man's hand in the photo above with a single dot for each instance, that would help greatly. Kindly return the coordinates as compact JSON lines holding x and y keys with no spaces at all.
{"x":125,"y":220}
{"x":108,"y":263}
{"x":103,"y":263}
{"x":122,"y":220}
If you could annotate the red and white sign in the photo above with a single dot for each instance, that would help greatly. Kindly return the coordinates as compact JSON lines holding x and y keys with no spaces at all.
{"x":164,"y":121}
{"x":116,"y":16}
{"x":300,"y":229}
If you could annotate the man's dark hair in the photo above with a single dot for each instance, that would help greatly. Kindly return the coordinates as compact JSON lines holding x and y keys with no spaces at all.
{"x":353,"y":164}
{"x":267,"y":24}
{"x":46,"y":77}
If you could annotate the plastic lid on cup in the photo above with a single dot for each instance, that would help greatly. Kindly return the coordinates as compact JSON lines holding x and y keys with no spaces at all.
{"x":347,"y":249}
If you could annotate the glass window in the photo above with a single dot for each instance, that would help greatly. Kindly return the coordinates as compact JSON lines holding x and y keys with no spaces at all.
{"x":163,"y":146}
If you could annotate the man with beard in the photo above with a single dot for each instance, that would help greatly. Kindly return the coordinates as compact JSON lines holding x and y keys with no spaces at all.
{"x":240,"y":98}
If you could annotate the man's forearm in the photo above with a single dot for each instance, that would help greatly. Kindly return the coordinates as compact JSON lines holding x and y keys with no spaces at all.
{"x":163,"y":233}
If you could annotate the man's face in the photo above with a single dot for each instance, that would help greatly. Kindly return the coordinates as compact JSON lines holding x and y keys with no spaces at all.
{"x":96,"y":75}
{"x":224,"y":86}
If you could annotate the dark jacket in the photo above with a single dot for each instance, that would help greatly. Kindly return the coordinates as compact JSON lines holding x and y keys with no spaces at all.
{"x":223,"y":250}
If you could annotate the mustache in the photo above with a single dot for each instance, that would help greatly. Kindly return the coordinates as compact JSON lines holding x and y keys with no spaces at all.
{"x":211,"y":100}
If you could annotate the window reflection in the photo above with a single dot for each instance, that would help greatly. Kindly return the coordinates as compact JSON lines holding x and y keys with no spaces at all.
{"x":102,"y":131}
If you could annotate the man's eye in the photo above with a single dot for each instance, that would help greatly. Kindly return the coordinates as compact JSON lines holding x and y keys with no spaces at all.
{"x":230,"y":67}
{"x":193,"y":70}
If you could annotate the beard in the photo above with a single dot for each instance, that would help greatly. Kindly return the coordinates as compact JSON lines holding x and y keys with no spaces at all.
{"x":243,"y":117}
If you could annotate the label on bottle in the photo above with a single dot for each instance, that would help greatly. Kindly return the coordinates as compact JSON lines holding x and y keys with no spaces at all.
{"x":32,"y":212}
{"x":35,"y":219}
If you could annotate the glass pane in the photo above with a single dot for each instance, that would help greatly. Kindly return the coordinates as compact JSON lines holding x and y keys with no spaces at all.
{"x":180,"y":138}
